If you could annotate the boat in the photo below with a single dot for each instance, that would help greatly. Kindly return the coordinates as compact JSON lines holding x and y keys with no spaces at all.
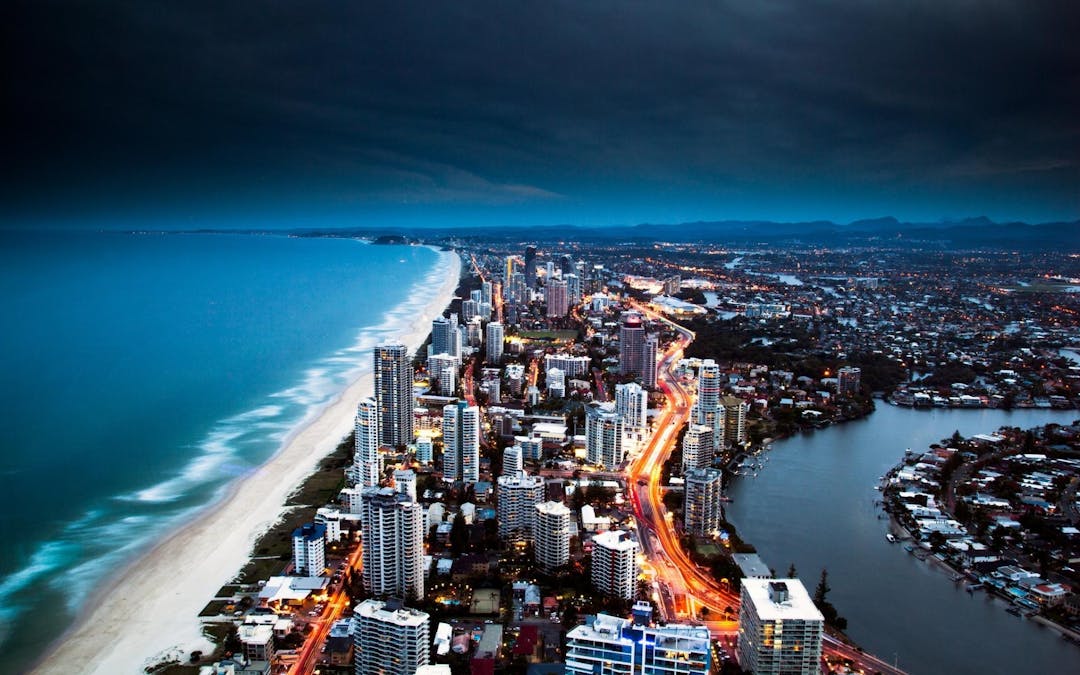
{"x":890,"y":537}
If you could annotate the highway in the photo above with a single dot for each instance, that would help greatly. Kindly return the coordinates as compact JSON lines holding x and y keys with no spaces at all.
{"x":308,"y":661}
{"x":684,"y":587}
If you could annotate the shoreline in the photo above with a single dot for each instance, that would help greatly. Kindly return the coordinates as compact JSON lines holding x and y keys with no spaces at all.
{"x":148,"y":611}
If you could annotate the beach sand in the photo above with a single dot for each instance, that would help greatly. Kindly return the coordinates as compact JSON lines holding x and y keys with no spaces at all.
{"x":149,"y":612}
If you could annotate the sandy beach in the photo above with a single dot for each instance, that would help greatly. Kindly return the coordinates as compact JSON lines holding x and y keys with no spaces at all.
{"x":149,"y":612}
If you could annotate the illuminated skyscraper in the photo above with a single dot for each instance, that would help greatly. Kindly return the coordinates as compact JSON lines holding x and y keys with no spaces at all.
{"x":461,"y":442}
{"x":631,"y":344}
{"x":394,"y":394}
{"x":366,"y":459}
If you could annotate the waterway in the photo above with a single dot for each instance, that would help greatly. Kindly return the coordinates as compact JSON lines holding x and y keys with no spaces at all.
{"x":814,"y":504}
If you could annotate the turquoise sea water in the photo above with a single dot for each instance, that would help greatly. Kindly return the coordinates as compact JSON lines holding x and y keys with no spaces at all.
{"x":140,"y":373}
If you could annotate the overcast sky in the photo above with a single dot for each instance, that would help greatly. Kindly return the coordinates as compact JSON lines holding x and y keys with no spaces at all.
{"x":400,"y":113}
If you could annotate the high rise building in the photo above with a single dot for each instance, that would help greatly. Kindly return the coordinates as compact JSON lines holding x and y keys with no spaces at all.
{"x":485,"y":292}
{"x":516,"y":291}
{"x":309,"y":550}
{"x":517,"y":497}
{"x":734,"y":419}
{"x":702,"y":504}
{"x":566,"y":264}
{"x":425,"y":451}
{"x":394,"y":394}
{"x":779,"y":628}
{"x":697,"y":447}
{"x":614,"y":564}
{"x":513,"y":461}
{"x":631,"y":402}
{"x":648,"y":369}
{"x":631,"y":344}
{"x":393,"y":544}
{"x":549,"y":271}
{"x":604,"y":436}
{"x":611,"y":645}
{"x":707,"y":409}
{"x":530,"y":266}
{"x":367,"y":461}
{"x":461,"y":442}
{"x":390,"y":639}
{"x":848,"y":380}
{"x":552,"y":535}
{"x":494,"y":344}
{"x":573,"y":288}
{"x":557,"y":298}
{"x":445,"y":338}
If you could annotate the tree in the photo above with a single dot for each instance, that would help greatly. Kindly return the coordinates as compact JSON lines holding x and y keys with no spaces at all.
{"x":792,"y":573}
{"x":822,"y":588}
{"x":459,"y":535}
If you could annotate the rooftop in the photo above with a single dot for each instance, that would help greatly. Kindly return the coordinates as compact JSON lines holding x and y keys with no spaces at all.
{"x":797,"y":606}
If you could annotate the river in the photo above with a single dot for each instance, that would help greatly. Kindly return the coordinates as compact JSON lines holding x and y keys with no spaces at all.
{"x":813,"y":504}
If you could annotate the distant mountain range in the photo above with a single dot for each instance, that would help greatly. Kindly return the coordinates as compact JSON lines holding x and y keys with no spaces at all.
{"x":966,"y":233}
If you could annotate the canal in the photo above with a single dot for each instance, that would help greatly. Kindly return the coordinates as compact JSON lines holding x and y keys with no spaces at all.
{"x":813,"y":504}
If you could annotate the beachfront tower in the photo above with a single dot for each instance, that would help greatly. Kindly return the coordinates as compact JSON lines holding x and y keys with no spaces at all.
{"x":631,"y":344}
{"x":494,"y":345}
{"x":701,"y":501}
{"x":517,"y":497}
{"x":551,"y":532}
{"x":367,"y":461}
{"x":779,"y":628}
{"x":604,"y":436}
{"x":461,"y":442}
{"x":614,"y":564}
{"x":389,"y":638}
{"x":309,"y":550}
{"x":394,"y":394}
{"x":393,"y":544}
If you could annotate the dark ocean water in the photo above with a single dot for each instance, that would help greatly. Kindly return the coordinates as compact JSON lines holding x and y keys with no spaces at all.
{"x":139,"y":374}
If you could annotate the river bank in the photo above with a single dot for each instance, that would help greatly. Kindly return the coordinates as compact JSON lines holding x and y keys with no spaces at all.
{"x":814,"y":505}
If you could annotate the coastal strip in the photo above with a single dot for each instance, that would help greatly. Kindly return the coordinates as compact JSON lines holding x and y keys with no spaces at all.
{"x":149,"y":611}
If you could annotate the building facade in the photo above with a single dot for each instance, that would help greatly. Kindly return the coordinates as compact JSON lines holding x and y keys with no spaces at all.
{"x":517,"y":497}
{"x":461,"y":442}
{"x":309,"y":550}
{"x":393,"y":544}
{"x":367,"y":461}
{"x":552,"y":534}
{"x":780,"y":629}
{"x":631,"y":344}
{"x":703,"y":508}
{"x":697,"y":447}
{"x":615,"y":646}
{"x":614,"y":564}
{"x":390,"y":639}
{"x":604,"y":436}
{"x":648,"y":369}
{"x":557,"y":298}
{"x":394,"y":394}
{"x":494,"y":343}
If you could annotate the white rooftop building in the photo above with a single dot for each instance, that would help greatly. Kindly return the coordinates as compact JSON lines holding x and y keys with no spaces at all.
{"x":614,"y":564}
{"x":615,"y":646}
{"x":390,"y":639}
{"x":779,"y":628}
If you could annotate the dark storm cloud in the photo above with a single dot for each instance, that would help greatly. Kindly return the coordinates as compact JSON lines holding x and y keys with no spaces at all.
{"x":504,"y":103}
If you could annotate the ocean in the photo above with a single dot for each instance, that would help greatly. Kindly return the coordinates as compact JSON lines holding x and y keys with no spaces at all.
{"x":141,"y":373}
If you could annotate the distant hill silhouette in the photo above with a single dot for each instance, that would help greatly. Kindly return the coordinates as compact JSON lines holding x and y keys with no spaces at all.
{"x":947,"y":234}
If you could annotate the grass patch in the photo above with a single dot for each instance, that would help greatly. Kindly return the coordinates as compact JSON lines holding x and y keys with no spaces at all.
{"x":274,"y":549}
{"x":555,"y":335}
{"x":215,"y":607}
